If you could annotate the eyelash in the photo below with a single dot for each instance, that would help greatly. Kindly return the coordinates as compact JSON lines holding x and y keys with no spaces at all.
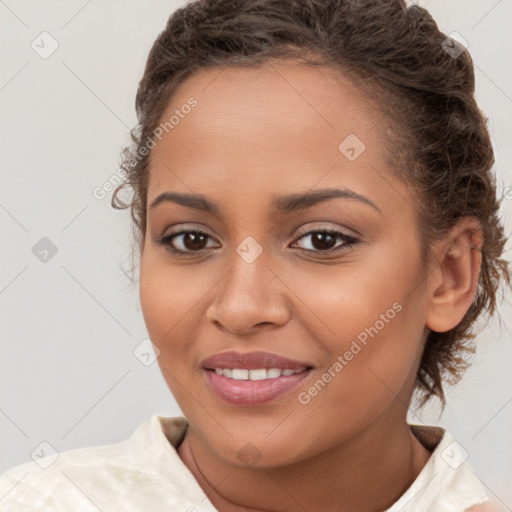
{"x":350,"y":241}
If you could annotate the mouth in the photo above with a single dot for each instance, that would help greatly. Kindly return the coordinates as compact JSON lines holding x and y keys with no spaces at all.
{"x":253,"y":378}
{"x":256,"y":374}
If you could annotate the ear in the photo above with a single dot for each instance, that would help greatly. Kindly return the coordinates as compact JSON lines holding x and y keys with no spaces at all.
{"x":453,"y":282}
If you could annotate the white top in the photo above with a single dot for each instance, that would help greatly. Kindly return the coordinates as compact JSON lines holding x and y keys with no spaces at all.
{"x":145,"y":473}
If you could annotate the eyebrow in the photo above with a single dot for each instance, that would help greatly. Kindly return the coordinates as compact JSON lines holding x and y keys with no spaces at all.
{"x":281,"y":204}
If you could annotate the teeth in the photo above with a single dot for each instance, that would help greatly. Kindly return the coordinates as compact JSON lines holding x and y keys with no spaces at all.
{"x":258,"y":374}
{"x":272,"y":373}
{"x":239,"y":374}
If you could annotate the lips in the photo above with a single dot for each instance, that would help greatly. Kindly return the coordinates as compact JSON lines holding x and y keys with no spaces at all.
{"x":252,"y":361}
{"x":254,"y":378}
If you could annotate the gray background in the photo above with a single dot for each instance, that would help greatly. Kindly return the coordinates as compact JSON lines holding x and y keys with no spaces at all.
{"x":69,"y":325}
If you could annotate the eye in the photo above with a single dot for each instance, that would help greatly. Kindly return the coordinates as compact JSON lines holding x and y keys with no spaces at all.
{"x":323,"y":241}
{"x":189,"y":241}
{"x":195,"y":241}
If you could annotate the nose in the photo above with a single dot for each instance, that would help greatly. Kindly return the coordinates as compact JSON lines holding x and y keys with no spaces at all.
{"x":249,"y":298}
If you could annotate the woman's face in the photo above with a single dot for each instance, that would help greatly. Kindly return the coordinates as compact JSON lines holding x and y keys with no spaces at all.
{"x":273,"y":157}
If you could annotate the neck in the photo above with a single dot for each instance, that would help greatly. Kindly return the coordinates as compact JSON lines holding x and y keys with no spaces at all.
{"x":368,"y":472}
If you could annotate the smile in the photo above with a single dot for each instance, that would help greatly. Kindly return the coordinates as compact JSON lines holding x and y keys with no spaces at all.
{"x":253,"y":378}
{"x":257,"y":374}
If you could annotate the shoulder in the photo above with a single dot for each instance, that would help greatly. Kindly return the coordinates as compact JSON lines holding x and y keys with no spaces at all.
{"x":447,"y":482}
{"x":65,"y":478}
{"x":488,"y":507}
{"x":90,"y":478}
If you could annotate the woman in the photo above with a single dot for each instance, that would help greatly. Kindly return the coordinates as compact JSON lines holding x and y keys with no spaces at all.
{"x":318,"y":231}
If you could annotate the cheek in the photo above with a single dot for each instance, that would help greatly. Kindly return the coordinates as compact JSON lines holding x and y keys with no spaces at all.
{"x":347,"y":300}
{"x":364,"y":378}
{"x":375,"y":327}
{"x":171,"y":300}
{"x":163,"y":306}
{"x":167,"y":296}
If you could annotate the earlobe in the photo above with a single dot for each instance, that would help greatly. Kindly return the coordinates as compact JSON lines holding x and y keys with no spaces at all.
{"x":453,"y":283}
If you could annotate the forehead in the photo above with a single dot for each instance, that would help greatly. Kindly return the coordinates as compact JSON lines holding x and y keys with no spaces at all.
{"x":283,"y":124}
{"x":254,"y":102}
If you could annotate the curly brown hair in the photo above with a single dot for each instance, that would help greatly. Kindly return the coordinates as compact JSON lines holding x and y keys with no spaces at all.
{"x":436,"y":135}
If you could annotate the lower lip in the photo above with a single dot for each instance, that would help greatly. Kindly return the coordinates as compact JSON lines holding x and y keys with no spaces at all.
{"x":253,"y":392}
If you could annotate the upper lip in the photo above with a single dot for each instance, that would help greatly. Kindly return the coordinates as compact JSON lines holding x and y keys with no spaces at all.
{"x":251,"y":361}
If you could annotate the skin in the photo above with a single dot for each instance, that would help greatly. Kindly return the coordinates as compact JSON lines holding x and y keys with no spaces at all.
{"x":272,"y":131}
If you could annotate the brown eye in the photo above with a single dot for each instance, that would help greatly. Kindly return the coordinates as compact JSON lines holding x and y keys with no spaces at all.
{"x":185,"y":241}
{"x":324,"y":241}
{"x":195,"y":241}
